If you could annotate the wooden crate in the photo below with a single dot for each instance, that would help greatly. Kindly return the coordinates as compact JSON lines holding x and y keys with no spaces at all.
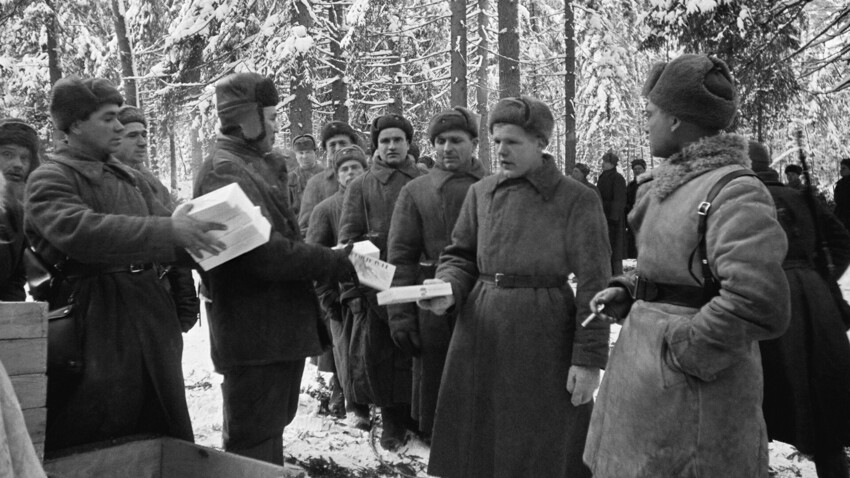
{"x":23,"y":351}
{"x":161,"y":458}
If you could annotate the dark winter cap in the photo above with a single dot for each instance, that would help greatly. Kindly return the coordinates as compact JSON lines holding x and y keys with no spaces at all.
{"x":583,"y":168}
{"x":413,"y":150}
{"x":390,"y":121}
{"x":335,"y":128}
{"x":457,"y":118}
{"x":75,"y":99}
{"x":845,"y":162}
{"x":349,"y":153}
{"x":428,"y":161}
{"x":526,"y":112}
{"x":698,"y":89}
{"x":760,"y":162}
{"x":638,"y":162}
{"x":305,"y":142}
{"x":240,"y":99}
{"x":16,"y":131}
{"x":611,"y":158}
{"x":793,"y":168}
{"x":130,"y":114}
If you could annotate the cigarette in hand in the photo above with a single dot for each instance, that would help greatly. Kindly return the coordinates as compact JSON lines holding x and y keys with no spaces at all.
{"x":592,"y":316}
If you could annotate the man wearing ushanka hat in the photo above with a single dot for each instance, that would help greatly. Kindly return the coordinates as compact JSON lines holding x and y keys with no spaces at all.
{"x":682,"y":392}
{"x":517,"y":390}
{"x":304,"y":149}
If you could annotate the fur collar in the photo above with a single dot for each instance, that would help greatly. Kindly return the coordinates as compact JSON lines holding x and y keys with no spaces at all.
{"x":696,"y":159}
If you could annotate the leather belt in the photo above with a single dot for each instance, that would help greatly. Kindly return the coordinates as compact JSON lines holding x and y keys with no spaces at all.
{"x":675,"y":294}
{"x":506,"y":281}
{"x":82,"y":270}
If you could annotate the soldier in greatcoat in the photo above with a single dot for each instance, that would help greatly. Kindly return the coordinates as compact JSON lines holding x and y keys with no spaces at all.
{"x":422,"y":223}
{"x":612,"y":187}
{"x":348,"y":163}
{"x":99,"y":222}
{"x":264,"y":316}
{"x":380,"y":371}
{"x":682,"y":392}
{"x":517,"y":390}
{"x":304,"y":149}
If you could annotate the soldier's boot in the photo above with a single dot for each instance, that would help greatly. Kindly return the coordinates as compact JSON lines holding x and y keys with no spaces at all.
{"x":394,"y":427}
{"x":357,"y":416}
{"x":337,"y":400}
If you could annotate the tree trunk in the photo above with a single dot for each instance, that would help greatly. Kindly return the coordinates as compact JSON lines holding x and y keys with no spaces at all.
{"x":483,"y":91}
{"x":172,"y":150}
{"x":508,"y":49}
{"x":125,"y":52}
{"x":53,"y":65}
{"x":569,"y":89}
{"x":300,"y":85}
{"x":397,"y":106}
{"x":458,"y":52}
{"x":339,"y":89}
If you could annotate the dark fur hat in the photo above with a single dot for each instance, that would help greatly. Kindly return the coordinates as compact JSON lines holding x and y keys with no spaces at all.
{"x":347,"y":154}
{"x":16,"y":131}
{"x":793,"y":168}
{"x":611,"y":157}
{"x":638,"y":162}
{"x":304,"y":142}
{"x":74,"y":99}
{"x":335,"y":128}
{"x":583,"y":168}
{"x":698,"y":89}
{"x":131,"y":114}
{"x":240,"y":99}
{"x":760,"y":162}
{"x":390,"y":121}
{"x":457,"y":118}
{"x":526,"y":112}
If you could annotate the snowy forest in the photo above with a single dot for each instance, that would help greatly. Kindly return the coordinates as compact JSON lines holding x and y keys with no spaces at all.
{"x":355,"y":59}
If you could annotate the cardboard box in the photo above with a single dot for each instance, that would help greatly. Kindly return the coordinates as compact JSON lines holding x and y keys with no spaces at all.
{"x":247,"y":228}
{"x":412,"y":293}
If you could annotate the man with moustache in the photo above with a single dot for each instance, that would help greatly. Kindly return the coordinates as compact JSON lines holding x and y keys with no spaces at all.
{"x":517,"y":390}
{"x":335,"y":136}
{"x":304,"y":149}
{"x":18,"y":158}
{"x":133,"y":152}
{"x":380,"y":371}
{"x":421,"y":227}
{"x":100,"y":223}
{"x":349,"y":162}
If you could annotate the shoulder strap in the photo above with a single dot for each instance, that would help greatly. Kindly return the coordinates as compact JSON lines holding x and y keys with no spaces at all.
{"x":710,"y":285}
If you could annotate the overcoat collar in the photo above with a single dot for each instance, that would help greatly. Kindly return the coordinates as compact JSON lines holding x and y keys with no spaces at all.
{"x":90,"y":167}
{"x":706,"y":155}
{"x":238,"y":147}
{"x":439,"y":176}
{"x":544,"y":179}
{"x":383,"y":172}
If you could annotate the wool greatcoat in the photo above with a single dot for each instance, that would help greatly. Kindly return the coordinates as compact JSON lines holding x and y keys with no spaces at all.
{"x":318,"y":188}
{"x":379,"y":372}
{"x":683,"y":389}
{"x":102,"y":214}
{"x":504,"y":410}
{"x":612,"y":187}
{"x":423,"y":220}
{"x":298,"y":182}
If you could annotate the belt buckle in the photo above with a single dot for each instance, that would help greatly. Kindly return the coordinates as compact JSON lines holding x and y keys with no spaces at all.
{"x":497,"y":277}
{"x":136,"y":268}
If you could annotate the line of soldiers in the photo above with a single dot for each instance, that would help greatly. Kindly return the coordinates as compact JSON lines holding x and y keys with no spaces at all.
{"x":500,"y":376}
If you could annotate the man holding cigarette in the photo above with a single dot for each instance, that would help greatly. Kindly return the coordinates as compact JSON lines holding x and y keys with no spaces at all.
{"x":516,"y":393}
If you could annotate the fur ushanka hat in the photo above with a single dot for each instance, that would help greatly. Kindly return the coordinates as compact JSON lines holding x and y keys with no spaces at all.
{"x":335,"y":128}
{"x":698,"y":89}
{"x":74,"y":99}
{"x":526,"y":112}
{"x":304,"y":142}
{"x":457,"y":118}
{"x":760,"y":162}
{"x":390,"y":121}
{"x":130,"y":114}
{"x":240,"y":99}
{"x":348,"y":153}
{"x":16,"y":131}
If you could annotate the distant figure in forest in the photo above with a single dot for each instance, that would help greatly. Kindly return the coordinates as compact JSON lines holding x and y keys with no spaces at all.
{"x":806,"y":379}
{"x":792,"y":176}
{"x":682,"y":392}
{"x":304,"y":149}
{"x":517,"y":390}
{"x":612,"y":187}
{"x":842,"y":194}
{"x":580,"y":173}
{"x":19,"y":156}
{"x":638,"y":168}
{"x":422,"y":224}
{"x":335,"y":136}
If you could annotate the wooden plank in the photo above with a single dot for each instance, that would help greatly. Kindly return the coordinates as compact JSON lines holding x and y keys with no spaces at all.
{"x":36,"y":421}
{"x":24,"y":356}
{"x":31,"y":390}
{"x":187,"y":460}
{"x":23,"y":320}
{"x":140,"y":459}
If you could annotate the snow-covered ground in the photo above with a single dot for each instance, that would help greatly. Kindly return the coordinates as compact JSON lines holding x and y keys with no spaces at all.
{"x":327,"y":447}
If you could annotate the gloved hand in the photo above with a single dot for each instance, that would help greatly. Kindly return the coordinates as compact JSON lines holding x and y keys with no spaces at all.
{"x":342,"y":270}
{"x":407,"y":339}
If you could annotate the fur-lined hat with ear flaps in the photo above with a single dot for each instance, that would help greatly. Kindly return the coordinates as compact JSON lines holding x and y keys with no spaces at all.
{"x":698,"y":89}
{"x":240,"y":99}
{"x":526,"y":112}
{"x":75,"y":99}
